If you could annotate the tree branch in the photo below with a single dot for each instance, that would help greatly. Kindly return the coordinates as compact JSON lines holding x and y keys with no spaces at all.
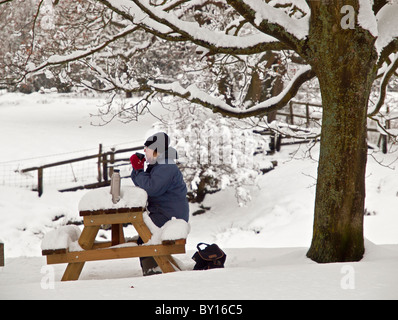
{"x":274,"y":22}
{"x":194,"y":95}
{"x":378,"y":4}
{"x":383,"y":86}
{"x":392,"y":47}
{"x":169,"y":27}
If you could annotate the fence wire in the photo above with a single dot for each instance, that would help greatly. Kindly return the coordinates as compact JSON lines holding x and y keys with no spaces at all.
{"x":61,"y":176}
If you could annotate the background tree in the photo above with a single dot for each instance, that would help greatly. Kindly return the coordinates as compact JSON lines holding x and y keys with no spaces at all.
{"x":347,"y":45}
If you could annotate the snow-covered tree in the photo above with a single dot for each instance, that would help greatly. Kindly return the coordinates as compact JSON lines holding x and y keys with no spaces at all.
{"x":34,"y":32}
{"x":347,"y":45}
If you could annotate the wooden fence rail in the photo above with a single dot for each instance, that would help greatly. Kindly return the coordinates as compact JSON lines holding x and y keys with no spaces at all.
{"x":106,"y":160}
{"x":105,"y":163}
{"x":290,"y":117}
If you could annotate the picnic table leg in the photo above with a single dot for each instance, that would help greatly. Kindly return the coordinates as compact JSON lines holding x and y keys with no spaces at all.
{"x":117,"y":234}
{"x":145,"y":234}
{"x":73,"y":271}
{"x":164,"y":264}
{"x":86,"y":241}
{"x":87,"y":237}
{"x":173,"y":262}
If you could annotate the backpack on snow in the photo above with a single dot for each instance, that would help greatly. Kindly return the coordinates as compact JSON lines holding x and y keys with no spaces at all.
{"x":209,"y":258}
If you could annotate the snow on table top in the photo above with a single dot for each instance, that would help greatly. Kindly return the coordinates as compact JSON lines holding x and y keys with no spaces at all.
{"x":61,"y":238}
{"x":101,"y":199}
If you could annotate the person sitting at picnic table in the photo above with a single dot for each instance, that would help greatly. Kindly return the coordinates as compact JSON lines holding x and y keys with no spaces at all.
{"x":164,"y":184}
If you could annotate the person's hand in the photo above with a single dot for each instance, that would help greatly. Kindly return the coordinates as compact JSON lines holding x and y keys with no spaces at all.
{"x":136,"y":162}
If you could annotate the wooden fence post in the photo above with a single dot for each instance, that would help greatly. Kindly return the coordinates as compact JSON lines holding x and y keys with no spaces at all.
{"x":40,"y":181}
{"x":291,"y":113}
{"x":384,"y":141}
{"x":111,"y":161}
{"x":99,"y":163}
{"x":1,"y":254}
{"x":105,"y":166}
{"x":307,"y":114}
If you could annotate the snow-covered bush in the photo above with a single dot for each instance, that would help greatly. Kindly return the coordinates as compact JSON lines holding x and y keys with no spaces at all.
{"x":213,"y":152}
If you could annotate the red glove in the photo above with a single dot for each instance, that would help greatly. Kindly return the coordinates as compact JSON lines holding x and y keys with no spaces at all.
{"x":136,"y":162}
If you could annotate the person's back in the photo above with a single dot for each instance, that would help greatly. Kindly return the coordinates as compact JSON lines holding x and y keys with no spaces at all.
{"x":164,"y":184}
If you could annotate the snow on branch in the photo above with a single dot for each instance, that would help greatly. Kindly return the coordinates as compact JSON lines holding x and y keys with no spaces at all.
{"x":195,"y":95}
{"x":387,"y":26}
{"x":275,"y":22}
{"x":188,"y":4}
{"x":168,"y":25}
{"x":367,"y":18}
{"x":265,"y":12}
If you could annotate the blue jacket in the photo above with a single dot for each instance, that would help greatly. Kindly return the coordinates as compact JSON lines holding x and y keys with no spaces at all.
{"x":166,"y":190}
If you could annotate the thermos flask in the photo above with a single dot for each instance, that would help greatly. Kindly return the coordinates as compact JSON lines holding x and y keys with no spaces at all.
{"x":115,"y":186}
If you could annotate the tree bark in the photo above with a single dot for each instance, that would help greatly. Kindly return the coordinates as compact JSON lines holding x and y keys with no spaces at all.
{"x":344,"y":63}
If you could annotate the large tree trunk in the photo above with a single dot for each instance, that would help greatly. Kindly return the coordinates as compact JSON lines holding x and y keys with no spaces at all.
{"x":345,"y":68}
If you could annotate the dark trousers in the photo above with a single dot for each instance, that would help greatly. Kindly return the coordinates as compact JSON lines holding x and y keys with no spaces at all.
{"x":148,"y":264}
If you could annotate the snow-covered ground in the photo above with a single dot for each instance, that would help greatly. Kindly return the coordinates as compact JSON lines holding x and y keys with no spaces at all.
{"x":265,"y":242}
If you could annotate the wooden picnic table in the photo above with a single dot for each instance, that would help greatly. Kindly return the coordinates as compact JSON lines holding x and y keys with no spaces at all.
{"x":117,"y":248}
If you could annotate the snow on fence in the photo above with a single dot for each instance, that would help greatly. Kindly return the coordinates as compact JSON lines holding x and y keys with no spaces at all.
{"x":89,"y":171}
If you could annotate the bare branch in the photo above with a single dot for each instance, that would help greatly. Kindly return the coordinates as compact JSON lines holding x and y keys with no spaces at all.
{"x":35,"y":17}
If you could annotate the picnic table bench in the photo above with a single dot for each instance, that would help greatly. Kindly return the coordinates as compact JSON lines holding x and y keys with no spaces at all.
{"x":68,"y":245}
